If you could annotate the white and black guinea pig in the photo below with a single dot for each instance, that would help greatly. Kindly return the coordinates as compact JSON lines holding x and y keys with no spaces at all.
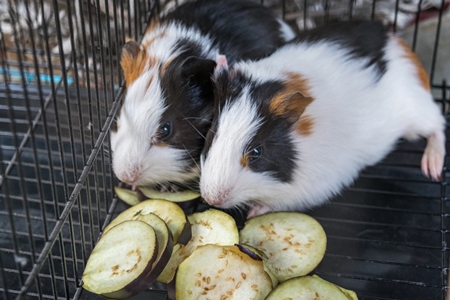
{"x":168,"y":105}
{"x":293,"y":129}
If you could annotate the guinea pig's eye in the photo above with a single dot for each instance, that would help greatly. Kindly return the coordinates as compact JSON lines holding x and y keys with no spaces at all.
{"x":254,"y":153}
{"x":165,"y":130}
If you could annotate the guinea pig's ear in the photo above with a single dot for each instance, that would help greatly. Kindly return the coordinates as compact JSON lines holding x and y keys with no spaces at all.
{"x":198,"y":71}
{"x":290,"y":106}
{"x":132,"y":61}
{"x":221,"y":62}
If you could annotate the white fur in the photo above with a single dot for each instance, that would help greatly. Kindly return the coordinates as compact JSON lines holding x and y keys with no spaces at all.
{"x":136,"y":160}
{"x":286,"y":31}
{"x":357,"y":121}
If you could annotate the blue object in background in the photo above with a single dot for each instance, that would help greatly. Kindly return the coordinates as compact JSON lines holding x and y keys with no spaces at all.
{"x":16,"y":75}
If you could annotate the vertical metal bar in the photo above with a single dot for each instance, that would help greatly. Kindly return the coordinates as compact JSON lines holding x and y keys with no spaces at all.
{"x":416,"y":25}
{"x":72,"y":142}
{"x":34,"y":145}
{"x":2,"y":269}
{"x":105,"y":93}
{"x":9,"y":209}
{"x":396,"y":15}
{"x":326,"y":15}
{"x":130,"y":32}
{"x":436,"y":39}
{"x":444,"y":212}
{"x":74,"y":34}
{"x":97,"y":99}
{"x":350,"y":10}
{"x":372,"y":16}
{"x":17,"y":35}
{"x":90,"y":107}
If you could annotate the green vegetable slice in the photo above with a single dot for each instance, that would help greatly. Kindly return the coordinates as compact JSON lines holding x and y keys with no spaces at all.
{"x":128,"y":196}
{"x":294,"y":243}
{"x":181,"y":196}
{"x":308,"y":288}
{"x":122,"y":261}
{"x":221,"y":272}
{"x":168,"y":211}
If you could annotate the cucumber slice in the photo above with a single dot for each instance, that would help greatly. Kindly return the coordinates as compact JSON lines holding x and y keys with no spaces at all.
{"x":221,"y":272}
{"x":121,"y":263}
{"x":128,"y":196}
{"x":294,"y":243}
{"x":308,"y":288}
{"x":181,"y":196}
{"x":168,"y":211}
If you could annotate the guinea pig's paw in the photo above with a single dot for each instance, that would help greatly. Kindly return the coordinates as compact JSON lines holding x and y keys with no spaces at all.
{"x":257,"y":210}
{"x":433,"y":157}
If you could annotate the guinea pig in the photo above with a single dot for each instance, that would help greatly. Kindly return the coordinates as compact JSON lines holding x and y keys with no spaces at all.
{"x":293,"y":129}
{"x":168,"y":105}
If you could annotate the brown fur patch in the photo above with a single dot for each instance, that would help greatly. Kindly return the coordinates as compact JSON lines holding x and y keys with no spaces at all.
{"x":152,"y":25}
{"x":305,"y":125}
{"x":284,"y":103}
{"x":161,"y":144}
{"x":292,"y":101}
{"x":245,"y":162}
{"x":133,"y":64}
{"x":166,"y":65}
{"x":149,"y":82}
{"x":421,"y":73}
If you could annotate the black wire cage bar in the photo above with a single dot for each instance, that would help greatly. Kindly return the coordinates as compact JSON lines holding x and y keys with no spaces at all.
{"x":61,"y":88}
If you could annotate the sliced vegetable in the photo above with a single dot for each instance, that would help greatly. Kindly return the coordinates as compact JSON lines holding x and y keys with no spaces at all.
{"x":122,"y":261}
{"x":263,"y":257}
{"x":165,"y":242}
{"x":181,"y":196}
{"x":221,"y":272}
{"x":209,"y":227}
{"x":128,"y":196}
{"x":309,"y":288}
{"x":175,"y":260}
{"x":212,"y":226}
{"x":294,"y":243}
{"x":168,"y":211}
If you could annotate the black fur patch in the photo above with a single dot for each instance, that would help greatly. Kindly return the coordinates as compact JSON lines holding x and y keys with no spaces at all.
{"x":363,"y":39}
{"x":278,"y":156}
{"x":240,"y":29}
{"x":189,"y":100}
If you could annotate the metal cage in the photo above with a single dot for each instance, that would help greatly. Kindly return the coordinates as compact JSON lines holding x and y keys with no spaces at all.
{"x":61,"y":87}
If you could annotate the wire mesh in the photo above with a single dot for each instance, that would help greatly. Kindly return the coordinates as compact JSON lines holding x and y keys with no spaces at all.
{"x":61,"y":89}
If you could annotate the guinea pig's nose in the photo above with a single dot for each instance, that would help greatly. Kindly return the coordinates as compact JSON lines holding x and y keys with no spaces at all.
{"x":216,"y":199}
{"x":130,"y":177}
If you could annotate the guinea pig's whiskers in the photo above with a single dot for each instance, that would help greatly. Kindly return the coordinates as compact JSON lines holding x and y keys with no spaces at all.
{"x":186,"y":119}
{"x":195,"y":118}
{"x":198,"y":167}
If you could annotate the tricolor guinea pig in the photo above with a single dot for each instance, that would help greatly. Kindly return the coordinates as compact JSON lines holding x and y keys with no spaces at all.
{"x":293,"y":129}
{"x":168,"y":105}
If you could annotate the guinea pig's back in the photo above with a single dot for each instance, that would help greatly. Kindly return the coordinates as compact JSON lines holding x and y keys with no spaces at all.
{"x":241,"y":29}
{"x":366,"y":97}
